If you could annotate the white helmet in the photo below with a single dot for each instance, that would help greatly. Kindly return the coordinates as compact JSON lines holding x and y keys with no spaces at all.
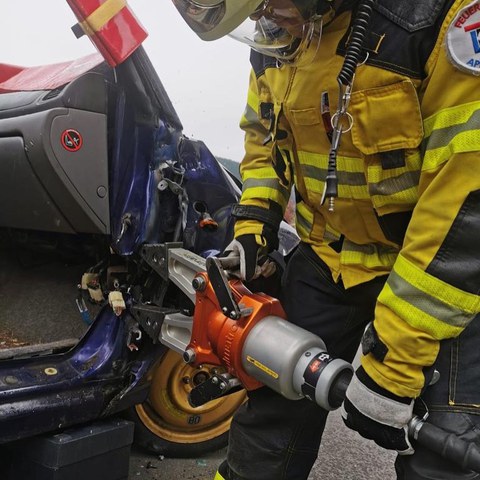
{"x":213,"y":19}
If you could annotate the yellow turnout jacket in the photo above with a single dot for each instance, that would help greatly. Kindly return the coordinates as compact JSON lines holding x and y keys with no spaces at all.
{"x":408,"y":170}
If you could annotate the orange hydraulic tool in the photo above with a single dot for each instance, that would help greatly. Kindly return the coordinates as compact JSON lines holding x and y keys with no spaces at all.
{"x":246,"y":333}
{"x":225,"y":314}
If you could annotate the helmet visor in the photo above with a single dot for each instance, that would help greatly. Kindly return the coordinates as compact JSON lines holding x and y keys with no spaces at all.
{"x":285,"y":43}
{"x":263,"y":35}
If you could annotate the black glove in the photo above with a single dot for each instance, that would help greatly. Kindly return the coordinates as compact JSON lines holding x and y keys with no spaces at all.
{"x":377,"y":414}
{"x":247,"y":252}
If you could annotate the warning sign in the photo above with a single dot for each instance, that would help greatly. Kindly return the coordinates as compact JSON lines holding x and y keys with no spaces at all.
{"x":71,"y":140}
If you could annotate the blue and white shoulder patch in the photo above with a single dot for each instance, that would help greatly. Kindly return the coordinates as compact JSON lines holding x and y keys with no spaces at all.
{"x":463,"y":39}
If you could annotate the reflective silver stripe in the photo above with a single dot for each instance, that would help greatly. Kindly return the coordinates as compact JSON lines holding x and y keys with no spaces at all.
{"x":250,"y":115}
{"x":377,"y":407}
{"x":271,"y":183}
{"x":354,"y":179}
{"x":371,"y":255}
{"x":391,"y":186}
{"x":330,"y":235}
{"x":369,"y":248}
{"x":428,"y":304}
{"x":443,"y":136}
{"x":450,"y":131}
{"x":302,"y":222}
{"x":265,"y":193}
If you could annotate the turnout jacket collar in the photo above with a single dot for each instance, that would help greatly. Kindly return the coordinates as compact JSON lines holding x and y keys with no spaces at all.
{"x":411,"y":15}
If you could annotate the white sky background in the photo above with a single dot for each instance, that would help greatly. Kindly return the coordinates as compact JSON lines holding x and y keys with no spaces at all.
{"x":206,"y":81}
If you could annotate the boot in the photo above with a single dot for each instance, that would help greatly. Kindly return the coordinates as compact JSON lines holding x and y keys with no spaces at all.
{"x":222,"y":472}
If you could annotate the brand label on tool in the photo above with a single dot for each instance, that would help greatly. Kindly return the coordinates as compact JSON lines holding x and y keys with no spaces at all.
{"x":463,"y":39}
{"x":262,"y":367}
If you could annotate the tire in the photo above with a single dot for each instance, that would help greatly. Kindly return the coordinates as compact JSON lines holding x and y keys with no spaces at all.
{"x":167,"y":425}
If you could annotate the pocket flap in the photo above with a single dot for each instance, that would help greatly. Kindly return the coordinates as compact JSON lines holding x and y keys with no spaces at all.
{"x":307,"y":116}
{"x":386,"y":118}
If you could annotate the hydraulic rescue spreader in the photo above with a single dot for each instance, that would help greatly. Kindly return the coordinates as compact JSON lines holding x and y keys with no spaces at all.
{"x":247,"y":334}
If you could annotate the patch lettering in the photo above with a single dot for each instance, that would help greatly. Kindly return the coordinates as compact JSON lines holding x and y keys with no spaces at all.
{"x":463,"y":39}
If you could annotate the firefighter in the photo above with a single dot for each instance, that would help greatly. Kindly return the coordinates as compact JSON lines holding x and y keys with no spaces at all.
{"x":369,"y":111}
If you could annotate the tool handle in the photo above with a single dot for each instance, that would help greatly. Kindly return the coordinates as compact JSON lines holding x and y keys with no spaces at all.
{"x":448,"y":445}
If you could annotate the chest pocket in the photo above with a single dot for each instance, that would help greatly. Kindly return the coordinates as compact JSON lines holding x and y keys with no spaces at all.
{"x":387,"y":130}
{"x":308,"y":129}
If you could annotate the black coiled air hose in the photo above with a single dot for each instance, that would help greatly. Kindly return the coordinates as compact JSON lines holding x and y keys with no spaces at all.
{"x":356,"y":41}
{"x":353,"y":56}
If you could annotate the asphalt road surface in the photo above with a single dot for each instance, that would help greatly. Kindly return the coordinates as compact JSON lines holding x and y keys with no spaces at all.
{"x":344,"y":455}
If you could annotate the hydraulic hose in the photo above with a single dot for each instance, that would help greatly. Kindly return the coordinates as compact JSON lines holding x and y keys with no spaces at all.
{"x":445,"y":444}
{"x":448,"y":445}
